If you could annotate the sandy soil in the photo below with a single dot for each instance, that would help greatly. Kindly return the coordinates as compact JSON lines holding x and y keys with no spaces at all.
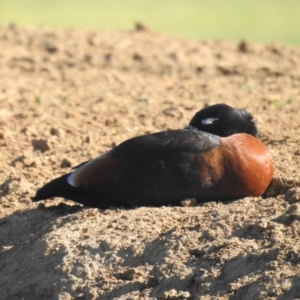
{"x":68,"y":96}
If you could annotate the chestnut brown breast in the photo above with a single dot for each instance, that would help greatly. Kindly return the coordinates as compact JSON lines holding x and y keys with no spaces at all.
{"x":248,"y":166}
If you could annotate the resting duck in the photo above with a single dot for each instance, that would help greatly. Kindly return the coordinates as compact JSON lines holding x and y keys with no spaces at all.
{"x":217,"y":157}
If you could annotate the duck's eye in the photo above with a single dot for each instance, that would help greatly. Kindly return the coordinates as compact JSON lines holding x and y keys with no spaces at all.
{"x":208,"y":121}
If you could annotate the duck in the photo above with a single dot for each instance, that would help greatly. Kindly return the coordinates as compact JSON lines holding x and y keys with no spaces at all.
{"x":217,"y":157}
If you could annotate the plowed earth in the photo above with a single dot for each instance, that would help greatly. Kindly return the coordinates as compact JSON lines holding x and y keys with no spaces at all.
{"x":68,"y":96}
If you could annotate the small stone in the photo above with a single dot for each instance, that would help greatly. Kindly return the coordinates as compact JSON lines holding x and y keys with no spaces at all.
{"x":57,"y":132}
{"x":297,"y":152}
{"x":188,"y":202}
{"x":41,"y":206}
{"x":5,"y":188}
{"x":65,"y":163}
{"x":41,"y":145}
{"x":111,"y":122}
{"x":265,"y":225}
{"x":139,"y":26}
{"x":127,"y":275}
{"x":137,"y":57}
{"x":88,"y":140}
{"x":243,"y":46}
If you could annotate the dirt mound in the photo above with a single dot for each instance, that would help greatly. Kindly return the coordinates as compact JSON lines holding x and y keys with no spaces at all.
{"x":67,"y":96}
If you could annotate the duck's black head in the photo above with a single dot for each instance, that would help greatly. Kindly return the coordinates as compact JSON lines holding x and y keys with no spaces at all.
{"x":224,"y":120}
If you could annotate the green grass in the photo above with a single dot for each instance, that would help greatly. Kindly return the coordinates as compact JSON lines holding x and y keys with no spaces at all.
{"x":258,"y":20}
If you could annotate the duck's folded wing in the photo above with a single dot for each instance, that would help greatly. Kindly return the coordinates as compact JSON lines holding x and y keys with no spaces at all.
{"x":139,"y":152}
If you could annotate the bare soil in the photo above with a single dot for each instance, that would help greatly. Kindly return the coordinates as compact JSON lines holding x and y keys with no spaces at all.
{"x":68,"y":96}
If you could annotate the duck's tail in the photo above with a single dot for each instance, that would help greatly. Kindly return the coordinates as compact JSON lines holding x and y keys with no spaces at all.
{"x":58,"y":187}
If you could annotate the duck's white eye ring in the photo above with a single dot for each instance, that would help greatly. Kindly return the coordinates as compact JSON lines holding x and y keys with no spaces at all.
{"x":208,"y":121}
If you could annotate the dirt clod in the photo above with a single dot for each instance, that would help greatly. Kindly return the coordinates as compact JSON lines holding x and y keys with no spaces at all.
{"x":66,"y":163}
{"x":293,"y":195}
{"x":41,"y":145}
